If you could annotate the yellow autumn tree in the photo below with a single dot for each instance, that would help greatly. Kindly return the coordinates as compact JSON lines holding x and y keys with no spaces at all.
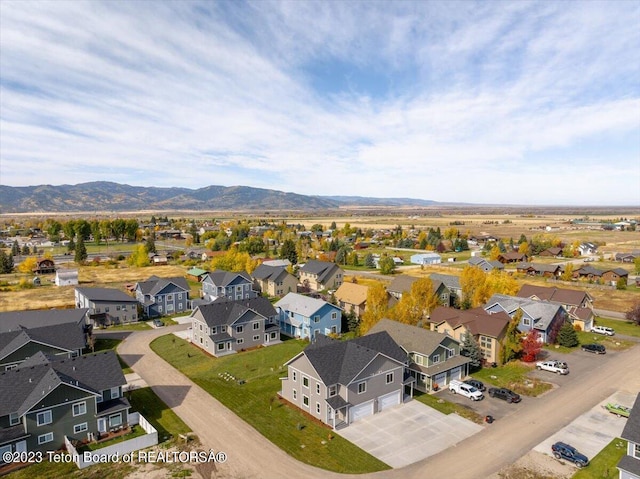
{"x":416,"y":305}
{"x":234,"y":260}
{"x":501,"y":282}
{"x":472,"y":279}
{"x":139,"y":257}
{"x":494,"y":253}
{"x":377,"y":307}
{"x":28,"y":265}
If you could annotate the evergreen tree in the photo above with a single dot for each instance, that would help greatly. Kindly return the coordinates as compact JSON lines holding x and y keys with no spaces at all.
{"x":567,"y":336}
{"x":3,"y":262}
{"x":25,"y":250}
{"x":71,"y":246}
{"x":81,"y":251}
{"x":288,"y":251}
{"x":15,"y":248}
{"x":471,"y":350}
{"x":368,"y":261}
{"x":150,"y":245}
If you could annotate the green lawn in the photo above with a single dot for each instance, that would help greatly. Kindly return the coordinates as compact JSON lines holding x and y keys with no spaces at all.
{"x":138,"y":326}
{"x":513,"y":375}
{"x":102,"y":344}
{"x":610,"y":342}
{"x":626,"y":328}
{"x":256,"y":402}
{"x":447,"y":407}
{"x":603,"y":466}
{"x":166,"y":422}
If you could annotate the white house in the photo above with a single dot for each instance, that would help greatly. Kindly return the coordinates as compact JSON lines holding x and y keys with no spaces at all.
{"x":66,"y":277}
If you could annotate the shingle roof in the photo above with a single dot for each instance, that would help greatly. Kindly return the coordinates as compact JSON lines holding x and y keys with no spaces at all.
{"x":22,"y":388}
{"x":225,"y":278}
{"x":65,"y":336}
{"x":339,"y":362}
{"x":110,"y":295}
{"x":411,"y":338}
{"x":154,"y":284}
{"x":559,"y":295}
{"x":322,"y":269}
{"x":12,"y":320}
{"x":449,"y":280}
{"x":269,"y":273}
{"x":631,"y":431}
{"x":542,"y":312}
{"x":401,"y":284}
{"x":303,"y":305}
{"x":477,"y":320}
{"x":221,"y":313}
{"x":352,"y":293}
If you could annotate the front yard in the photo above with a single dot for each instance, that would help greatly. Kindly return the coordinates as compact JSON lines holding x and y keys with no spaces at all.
{"x":253,"y":397}
{"x":447,"y":407}
{"x":513,"y":375}
{"x":603,"y":466}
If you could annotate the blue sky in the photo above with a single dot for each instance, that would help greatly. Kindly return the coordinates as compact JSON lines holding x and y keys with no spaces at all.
{"x":489,"y":102}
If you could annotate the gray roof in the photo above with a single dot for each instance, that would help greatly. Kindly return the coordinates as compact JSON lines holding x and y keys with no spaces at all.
{"x":631,"y":431}
{"x":64,"y":336}
{"x":221,"y":313}
{"x":24,"y":387}
{"x":339,"y":362}
{"x":107,"y":295}
{"x":402,"y":283}
{"x":322,"y":269}
{"x":442,"y":366}
{"x":277,"y":262}
{"x":630,"y":464}
{"x":154,"y":284}
{"x":225,"y":278}
{"x":411,"y":338}
{"x":12,"y":320}
{"x":449,"y":280}
{"x":269,"y":273}
{"x":303,"y":305}
{"x":542,"y":312}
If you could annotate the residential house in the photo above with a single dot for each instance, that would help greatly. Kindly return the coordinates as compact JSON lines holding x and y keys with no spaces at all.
{"x":452,"y":283}
{"x":588,"y":249}
{"x":66,"y":277}
{"x":629,"y":465}
{"x":44,"y":400}
{"x":627,"y":257}
{"x":320,"y":275}
{"x":426,"y":258}
{"x":17,"y":320}
{"x":227,"y":285}
{"x":158,"y":259}
{"x":512,"y":257}
{"x":488,"y":330}
{"x":352,"y":298}
{"x":607,"y":276}
{"x":274,"y":280}
{"x":434,"y":358}
{"x":554,"y":252}
{"x":579,"y":304}
{"x":484,"y":265}
{"x":539,"y":269}
{"x":401,"y":284}
{"x":304,"y":317}
{"x":546,"y":317}
{"x":588,"y":273}
{"x":612,"y":276}
{"x":196,"y":274}
{"x":107,"y":305}
{"x":226,"y":327}
{"x":160,"y":296}
{"x":44,"y":266}
{"x":340,"y":382}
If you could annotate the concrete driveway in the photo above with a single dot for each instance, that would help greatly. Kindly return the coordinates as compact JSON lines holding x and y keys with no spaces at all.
{"x":408,"y":433}
{"x":593,"y":430}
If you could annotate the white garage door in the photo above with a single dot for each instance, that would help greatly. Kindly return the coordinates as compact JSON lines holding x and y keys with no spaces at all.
{"x":388,"y":400}
{"x":456,"y":373}
{"x":361,"y":411}
{"x":440,"y":379}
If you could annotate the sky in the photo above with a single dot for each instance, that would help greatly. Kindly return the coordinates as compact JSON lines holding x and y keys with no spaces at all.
{"x":533,"y":103}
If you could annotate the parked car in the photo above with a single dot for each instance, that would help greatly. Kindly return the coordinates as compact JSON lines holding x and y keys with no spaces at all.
{"x":565,"y":451}
{"x":558,"y":367}
{"x":479,"y":385}
{"x":618,"y":410}
{"x":505,"y":394}
{"x":466,"y":390}
{"x":594,"y":348}
{"x":158,"y":323}
{"x":603,"y":330}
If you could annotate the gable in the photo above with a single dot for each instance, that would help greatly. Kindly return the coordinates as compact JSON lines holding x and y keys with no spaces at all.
{"x":380,"y":365}
{"x":302,"y":364}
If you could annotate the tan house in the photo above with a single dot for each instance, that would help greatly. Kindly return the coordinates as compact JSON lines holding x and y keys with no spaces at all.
{"x":274,"y":280}
{"x":579,"y":304}
{"x":487,"y":329}
{"x":352,"y":297}
{"x":318,"y":275}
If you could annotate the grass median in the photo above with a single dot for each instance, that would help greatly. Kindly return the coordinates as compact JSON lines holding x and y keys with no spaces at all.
{"x":252,"y":396}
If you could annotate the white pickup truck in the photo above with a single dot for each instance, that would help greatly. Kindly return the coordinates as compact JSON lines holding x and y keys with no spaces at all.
{"x":466,"y":390}
{"x":558,"y":367}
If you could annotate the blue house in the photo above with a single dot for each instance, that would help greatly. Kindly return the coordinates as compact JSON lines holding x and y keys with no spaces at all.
{"x":160,"y":296}
{"x":546,"y":317}
{"x":227,"y":285}
{"x":304,"y":317}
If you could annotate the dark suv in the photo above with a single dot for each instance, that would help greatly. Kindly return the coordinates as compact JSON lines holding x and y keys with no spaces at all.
{"x":594,"y":348}
{"x":504,"y":393}
{"x":479,"y":385}
{"x":565,"y":451}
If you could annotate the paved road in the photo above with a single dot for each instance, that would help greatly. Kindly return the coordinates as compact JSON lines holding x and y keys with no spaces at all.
{"x":498,"y":445}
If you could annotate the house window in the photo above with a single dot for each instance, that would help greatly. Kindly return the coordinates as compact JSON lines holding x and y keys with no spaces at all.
{"x":485,"y":342}
{"x":220,"y":346}
{"x":118,"y":307}
{"x":115,"y":392}
{"x":334,"y":329}
{"x":3,"y":451}
{"x":317,"y":408}
{"x":362,"y":387}
{"x":97,"y":310}
{"x":316,"y":319}
{"x":333,"y":390}
{"x":43,"y":418}
{"x":14,"y":419}
{"x":334,"y":315}
{"x":256,"y":325}
{"x":239,"y":329}
{"x":106,"y":309}
{"x":389,"y":378}
{"x":273,"y":335}
{"x":636,"y":451}
{"x":295,"y":394}
{"x":10,"y":367}
{"x":44,"y":438}
{"x":79,"y":408}
{"x":239,"y":341}
{"x":435,"y":359}
{"x":179,"y":295}
{"x":256,"y":337}
{"x":305,"y":381}
{"x":115,"y":420}
{"x":78,"y":428}
{"x":200,"y":339}
{"x":99,"y":398}
{"x":526,"y":321}
{"x":200,"y":326}
{"x":291,"y":314}
{"x":419,"y":360}
{"x":160,"y":309}
{"x":214,"y":330}
{"x":317,"y":388}
{"x":305,"y":400}
{"x":169,"y":297}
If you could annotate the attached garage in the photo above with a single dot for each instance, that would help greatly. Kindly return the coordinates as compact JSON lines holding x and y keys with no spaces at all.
{"x":389,"y":400}
{"x":440,"y":380}
{"x":361,"y":411}
{"x":456,"y":373}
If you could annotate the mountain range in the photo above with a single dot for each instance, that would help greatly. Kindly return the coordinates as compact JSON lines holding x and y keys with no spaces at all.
{"x":108,"y":196}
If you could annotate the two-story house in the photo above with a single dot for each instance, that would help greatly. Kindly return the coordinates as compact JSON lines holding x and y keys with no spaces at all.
{"x":107,"y":305}
{"x":226,"y":327}
{"x":487,"y":329}
{"x":629,"y":465}
{"x":44,"y":400}
{"x":546,"y":317}
{"x":452,"y":284}
{"x":320,"y":275}
{"x":403,"y":283}
{"x":227,"y":285}
{"x":274,"y":280}
{"x":434,"y":358}
{"x":352,"y":298}
{"x":163,"y":296}
{"x":579,"y":304}
{"x":339,"y":382}
{"x":303,"y":317}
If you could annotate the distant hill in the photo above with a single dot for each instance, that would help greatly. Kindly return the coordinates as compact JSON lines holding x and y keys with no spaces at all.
{"x":108,"y":196}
